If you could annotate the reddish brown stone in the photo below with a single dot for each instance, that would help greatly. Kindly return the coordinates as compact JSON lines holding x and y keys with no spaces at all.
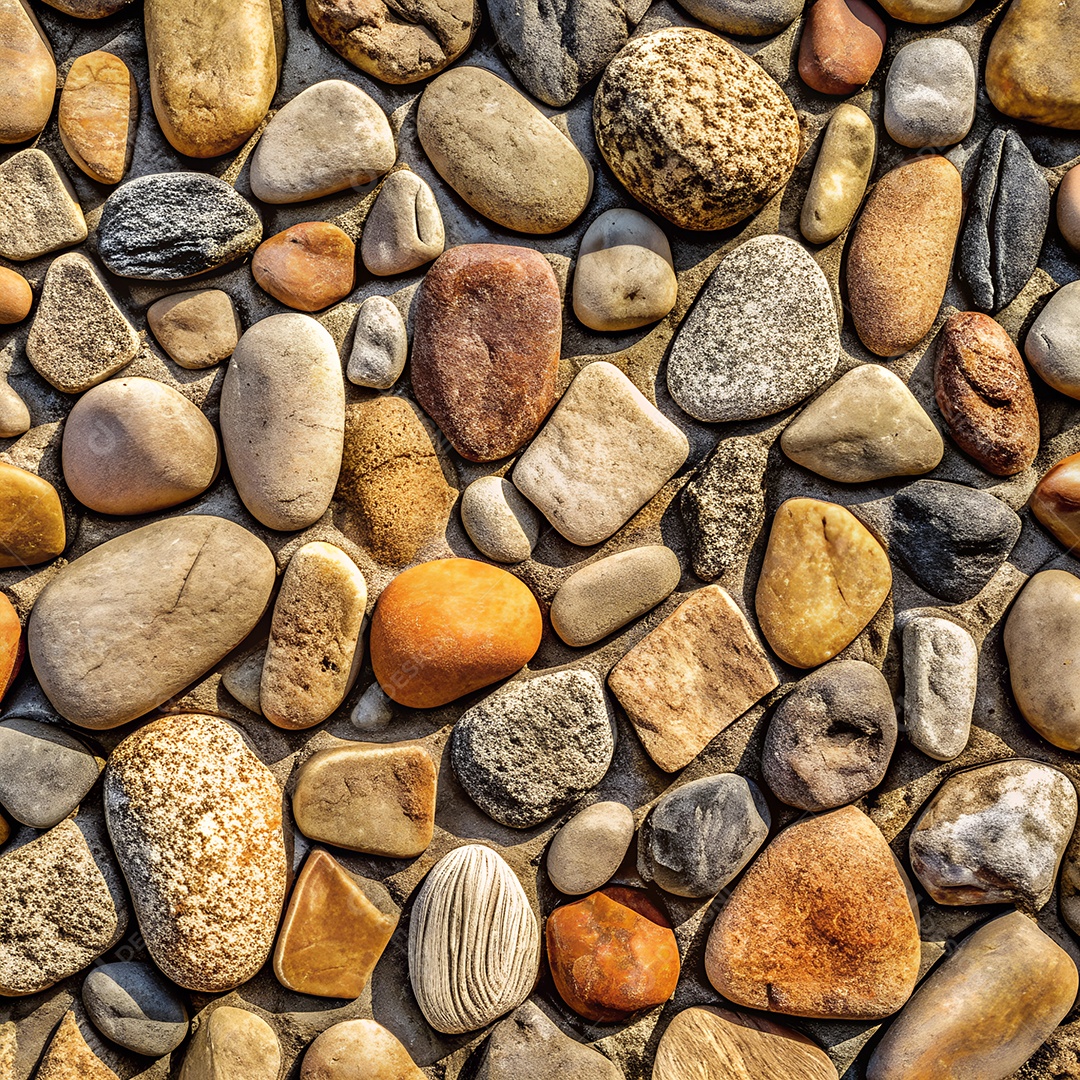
{"x":15,"y":296}
{"x":1056,"y":501}
{"x":308,"y":266}
{"x":12,"y":645}
{"x":486,"y":352}
{"x":985,"y":395}
{"x":841,"y":46}
{"x":612,"y":954}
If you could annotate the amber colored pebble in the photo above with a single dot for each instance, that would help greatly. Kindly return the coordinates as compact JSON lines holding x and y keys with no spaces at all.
{"x":308,"y":266}
{"x":15,"y":297}
{"x":68,"y":1057}
{"x":1056,"y":501}
{"x":841,"y":46}
{"x":31,"y":518}
{"x":12,"y":645}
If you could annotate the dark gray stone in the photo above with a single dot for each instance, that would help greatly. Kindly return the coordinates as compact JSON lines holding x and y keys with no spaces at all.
{"x":746,"y":18}
{"x":136,"y":1007}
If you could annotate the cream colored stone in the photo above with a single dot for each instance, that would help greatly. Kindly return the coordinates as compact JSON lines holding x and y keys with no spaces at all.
{"x":404,"y":229}
{"x":197,"y":329}
{"x":232,"y":1044}
{"x":840,"y":176}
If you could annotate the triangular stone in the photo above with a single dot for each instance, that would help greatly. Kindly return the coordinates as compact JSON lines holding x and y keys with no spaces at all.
{"x":69,"y":1058}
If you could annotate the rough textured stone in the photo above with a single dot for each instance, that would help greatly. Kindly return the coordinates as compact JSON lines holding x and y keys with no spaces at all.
{"x":1068,"y":207}
{"x":926,"y":11}
{"x":39,"y":211}
{"x":589,"y":849}
{"x":841,"y":46}
{"x":133,"y":1005}
{"x":380,"y":345}
{"x":1052,"y":345}
{"x":841,"y":173}
{"x":16,"y":297}
{"x":500,"y":521}
{"x":691,"y":677}
{"x":930,"y":93}
{"x":725,"y":133}
{"x":29,"y":84}
{"x":197,"y":329}
{"x":1056,"y":501}
{"x":746,"y":18}
{"x":1069,"y":893}
{"x":99,"y":110}
{"x":32,"y":526}
{"x":309,"y":266}
{"x":232,"y":1044}
{"x":404,"y":229}
{"x":67,"y":1057}
{"x":358,"y":1050}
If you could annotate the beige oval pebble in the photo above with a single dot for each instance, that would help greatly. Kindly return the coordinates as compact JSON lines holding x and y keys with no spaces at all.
{"x":232,"y":1044}
{"x":27,"y":73}
{"x":197,"y":329}
{"x":14,"y":415}
{"x":404,"y":229}
{"x":500,"y":521}
{"x":841,"y":173}
{"x":590,"y":847}
{"x":926,"y":11}
{"x":99,"y":110}
{"x":358,"y":1050}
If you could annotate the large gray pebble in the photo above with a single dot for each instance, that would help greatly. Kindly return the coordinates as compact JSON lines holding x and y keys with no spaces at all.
{"x":930,"y":93}
{"x":136,"y":1007}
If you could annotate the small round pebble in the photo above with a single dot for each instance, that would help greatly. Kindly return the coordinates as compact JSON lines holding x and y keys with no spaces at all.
{"x":380,"y":345}
{"x":358,"y":1050}
{"x":16,"y":297}
{"x":930,"y":93}
{"x":309,"y":266}
{"x":1068,"y":207}
{"x":1052,"y":345}
{"x":500,"y":521}
{"x":404,"y":229}
{"x":14,"y":415}
{"x":197,"y":329}
{"x":590,"y":847}
{"x":373,"y":711}
{"x":136,"y":1007}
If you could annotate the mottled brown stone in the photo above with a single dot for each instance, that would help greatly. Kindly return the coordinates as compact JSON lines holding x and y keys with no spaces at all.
{"x":99,"y":110}
{"x":309,"y":266}
{"x":841,"y":46}
{"x":1056,"y":501}
{"x":31,"y":518}
{"x":67,"y":1056}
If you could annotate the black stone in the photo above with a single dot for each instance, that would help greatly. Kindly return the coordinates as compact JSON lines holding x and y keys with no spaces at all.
{"x":135,"y":1007}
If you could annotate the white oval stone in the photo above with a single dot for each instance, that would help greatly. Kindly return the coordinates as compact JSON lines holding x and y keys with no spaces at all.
{"x":404,"y":229}
{"x":380,"y":345}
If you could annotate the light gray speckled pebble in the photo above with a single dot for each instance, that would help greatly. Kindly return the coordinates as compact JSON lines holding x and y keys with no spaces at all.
{"x":380,"y":345}
{"x":373,"y":711}
{"x":500,"y":521}
{"x":589,"y":848}
{"x":136,"y":1007}
{"x":1052,"y":345}
{"x":930,"y":93}
{"x":404,"y":229}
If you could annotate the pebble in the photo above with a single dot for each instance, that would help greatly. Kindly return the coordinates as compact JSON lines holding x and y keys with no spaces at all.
{"x":243,"y":678}
{"x":474,"y":945}
{"x":745,"y":18}
{"x":761,"y":336}
{"x":314,"y":651}
{"x":588,"y":850}
{"x":1069,"y":894}
{"x":501,"y":155}
{"x":392,"y":486}
{"x":603,"y":597}
{"x":214,"y":68}
{"x":195,"y":820}
{"x":16,"y":297}
{"x":61,"y":906}
{"x":358,"y":1050}
{"x":283,"y":420}
{"x":89,"y":9}
{"x":925,"y":12}
{"x":44,"y":772}
{"x":984,"y":393}
{"x":133,"y":446}
{"x":866,"y":426}
{"x":309,"y":266}
{"x":404,"y":229}
{"x":941,"y":675}
{"x":134,"y":1006}
{"x":99,"y":111}
{"x":373,"y":711}
{"x":335,"y":929}
{"x":1056,"y":501}
{"x":841,"y":173}
{"x":612,"y":954}
{"x":995,"y":834}
{"x":604,"y":452}
{"x":197,"y":329}
{"x":832,"y":738}
{"x":39,"y":211}
{"x":1042,"y":675}
{"x":500,"y":521}
{"x":534,"y":747}
{"x":1068,"y":207}
{"x":820,"y":925}
{"x":930,"y":93}
{"x":14,"y":415}
{"x":486,"y":339}
{"x":166,"y":226}
{"x":528,"y":1046}
{"x":380,"y":345}
{"x":725,"y":134}
{"x":231,"y":1043}
{"x":329,"y":138}
{"x":1052,"y":345}
{"x":375,"y":798}
{"x":32,"y":527}
{"x":68,"y":1057}
{"x":165,"y":602}
{"x":29,"y":84}
{"x":901,"y":252}
{"x":700,"y":835}
{"x":691,"y":677}
{"x":823,"y":579}
{"x":984,"y":1010}
{"x":951,"y":539}
{"x":841,"y":46}
{"x":12,"y":645}
{"x":5,"y":832}
{"x":624,"y":277}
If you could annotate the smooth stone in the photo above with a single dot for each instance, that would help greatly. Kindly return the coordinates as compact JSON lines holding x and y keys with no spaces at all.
{"x":841,"y":173}
{"x":589,"y":849}
{"x":930,"y":93}
{"x":195,"y":820}
{"x":1056,"y":501}
{"x":135,"y":620}
{"x":761,"y":336}
{"x":333,"y":932}
{"x":14,"y":415}
{"x":314,"y":651}
{"x":1042,"y":634}
{"x":985,"y":1010}
{"x":604,"y":452}
{"x":134,"y":1006}
{"x":29,"y":84}
{"x":715,"y":1044}
{"x":380,"y":345}
{"x":725,"y":134}
{"x":1052,"y":345}
{"x":68,"y":1057}
{"x":607,"y":595}
{"x":329,"y":138}
{"x":12,"y":645}
{"x":820,"y":925}
{"x":99,"y":111}
{"x":404,"y":229}
{"x":283,"y":420}
{"x":823,"y":579}
{"x":244,"y":677}
{"x":5,"y":832}
{"x":373,"y":711}
{"x":197,"y":329}
{"x":375,"y":798}
{"x":214,"y":68}
{"x":309,"y":266}
{"x":1068,"y":208}
{"x":232,"y":1044}
{"x":534,"y":747}
{"x":984,"y":393}
{"x":358,"y":1050}
{"x":61,"y":906}
{"x":16,"y":297}
{"x":841,"y":46}
{"x":951,"y":539}
{"x":392,"y":486}
{"x":832,"y":738}
{"x":32,"y":528}
{"x":500,"y":521}
{"x":925,"y":12}
{"x":624,"y":277}
{"x":486,"y":339}
{"x":133,"y":446}
{"x":88,"y":9}
{"x":474,"y":945}
{"x":700,"y":835}
{"x":39,"y":210}
{"x":901,"y":252}
{"x":745,"y":18}
{"x":692,"y":676}
{"x":167,"y":226}
{"x":44,"y":772}
{"x":723,"y":505}
{"x":507,"y":160}
{"x":866,"y":426}
{"x":612,"y":954}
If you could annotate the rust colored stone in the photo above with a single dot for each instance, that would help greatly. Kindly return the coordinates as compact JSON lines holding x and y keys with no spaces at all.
{"x":12,"y":645}
{"x":309,"y":266}
{"x":31,"y":518}
{"x":1056,"y":501}
{"x":841,"y":46}
{"x":99,"y":111}
{"x":16,"y":298}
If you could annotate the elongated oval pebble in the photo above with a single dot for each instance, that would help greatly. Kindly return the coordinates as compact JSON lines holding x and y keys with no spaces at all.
{"x":99,"y":109}
{"x":28,"y":82}
{"x":840,"y":175}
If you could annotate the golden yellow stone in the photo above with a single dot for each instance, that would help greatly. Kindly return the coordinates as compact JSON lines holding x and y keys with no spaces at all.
{"x":99,"y":109}
{"x":27,"y":73}
{"x":31,"y":518}
{"x":69,"y":1058}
